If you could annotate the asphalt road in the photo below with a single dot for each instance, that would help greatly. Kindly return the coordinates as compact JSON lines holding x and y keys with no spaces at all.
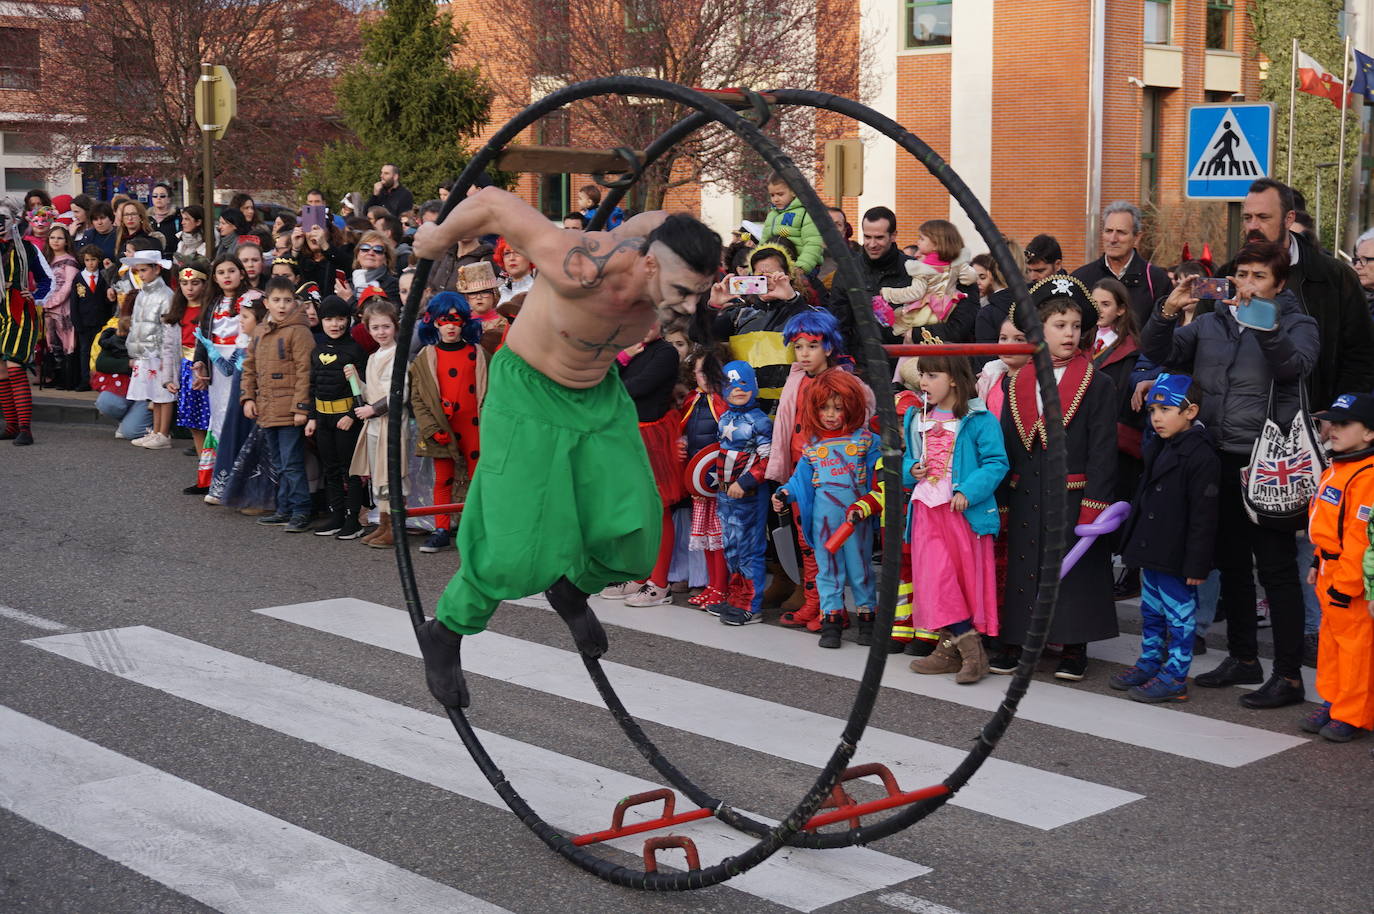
{"x":198,"y":754}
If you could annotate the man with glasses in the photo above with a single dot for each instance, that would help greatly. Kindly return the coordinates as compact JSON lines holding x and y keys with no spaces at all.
{"x":1364,"y":267}
{"x":165,"y":218}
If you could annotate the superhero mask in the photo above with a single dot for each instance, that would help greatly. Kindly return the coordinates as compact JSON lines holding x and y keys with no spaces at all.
{"x":740,"y":376}
{"x":1170,"y":390}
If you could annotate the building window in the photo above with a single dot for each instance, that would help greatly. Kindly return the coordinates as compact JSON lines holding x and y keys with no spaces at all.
{"x":1157,"y":21}
{"x":554,"y":190}
{"x":19,"y":55}
{"x":21,"y":180}
{"x":1149,"y":146}
{"x":927,"y":23}
{"x":1219,"y":24}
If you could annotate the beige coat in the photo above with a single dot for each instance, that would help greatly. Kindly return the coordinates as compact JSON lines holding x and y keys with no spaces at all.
{"x":276,"y":370}
{"x":369,"y":457}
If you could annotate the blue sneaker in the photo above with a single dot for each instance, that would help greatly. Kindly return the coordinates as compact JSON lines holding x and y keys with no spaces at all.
{"x":733,"y":615}
{"x":1159,"y":689}
{"x":1131,"y":677}
{"x":1338,"y":731}
{"x":1314,"y":720}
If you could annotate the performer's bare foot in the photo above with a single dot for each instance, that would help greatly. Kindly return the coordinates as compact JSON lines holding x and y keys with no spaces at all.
{"x":443,"y":669}
{"x":571,"y":605}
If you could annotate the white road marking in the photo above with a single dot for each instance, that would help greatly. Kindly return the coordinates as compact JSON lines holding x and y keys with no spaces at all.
{"x":220,"y":852}
{"x":1125,"y":649}
{"x":1170,"y":730}
{"x":47,"y":625}
{"x":1018,"y":793}
{"x":904,"y":902}
{"x":570,"y":793}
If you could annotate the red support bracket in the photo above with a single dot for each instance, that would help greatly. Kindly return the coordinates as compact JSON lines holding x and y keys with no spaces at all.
{"x":456,"y":508}
{"x":667,"y":819}
{"x":653,"y":845}
{"x":843,"y":808}
{"x":919,"y":349}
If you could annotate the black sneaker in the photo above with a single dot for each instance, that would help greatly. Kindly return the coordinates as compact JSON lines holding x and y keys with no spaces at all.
{"x":1127,"y":586}
{"x":1231,"y":672}
{"x":276,"y":519}
{"x":440,"y":647}
{"x":1073,"y":665}
{"x":831,"y":632}
{"x":24,"y":438}
{"x":1005,"y":661}
{"x":332,"y":525}
{"x":1278,"y":692}
{"x":351,"y":529}
{"x":437,"y":541}
{"x":196,"y":490}
{"x":299,"y":523}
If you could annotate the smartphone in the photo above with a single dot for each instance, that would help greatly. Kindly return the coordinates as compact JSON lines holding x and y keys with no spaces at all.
{"x":747,"y":285}
{"x":1217,"y":288}
{"x":312,"y":216}
{"x":340,"y":276}
{"x":1258,"y":314}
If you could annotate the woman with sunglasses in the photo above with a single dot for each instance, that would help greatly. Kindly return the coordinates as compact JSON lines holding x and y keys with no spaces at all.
{"x":164,"y":217}
{"x":374,"y":264}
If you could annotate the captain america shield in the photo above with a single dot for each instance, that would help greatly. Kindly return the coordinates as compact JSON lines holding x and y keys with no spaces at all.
{"x":699,"y":477}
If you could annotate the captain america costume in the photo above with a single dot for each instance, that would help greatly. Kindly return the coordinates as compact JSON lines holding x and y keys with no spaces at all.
{"x":746,"y":440}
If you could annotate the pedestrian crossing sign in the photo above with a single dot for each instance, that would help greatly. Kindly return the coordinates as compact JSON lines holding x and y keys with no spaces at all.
{"x":1229,"y":146}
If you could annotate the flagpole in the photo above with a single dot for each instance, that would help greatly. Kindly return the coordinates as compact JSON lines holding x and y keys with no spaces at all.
{"x":1292,"y":110}
{"x":1339,"y":242}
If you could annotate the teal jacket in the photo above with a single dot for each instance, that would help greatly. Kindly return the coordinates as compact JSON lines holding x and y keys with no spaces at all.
{"x":796,"y":226}
{"x":979,"y":465}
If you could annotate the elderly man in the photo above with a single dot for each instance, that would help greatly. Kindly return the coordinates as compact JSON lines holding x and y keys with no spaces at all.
{"x":1328,"y":290}
{"x":1364,"y":266}
{"x":1122,"y":227}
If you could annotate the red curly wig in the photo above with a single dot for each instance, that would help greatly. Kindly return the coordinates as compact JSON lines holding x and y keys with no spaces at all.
{"x":853,"y":405}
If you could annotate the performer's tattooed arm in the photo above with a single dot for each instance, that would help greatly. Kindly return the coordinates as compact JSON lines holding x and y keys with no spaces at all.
{"x":585,"y":263}
{"x":597,"y":350}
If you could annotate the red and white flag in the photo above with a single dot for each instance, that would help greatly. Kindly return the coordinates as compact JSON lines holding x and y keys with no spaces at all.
{"x":1314,"y":80}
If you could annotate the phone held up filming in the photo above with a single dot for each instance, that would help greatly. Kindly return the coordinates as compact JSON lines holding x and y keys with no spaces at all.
{"x":748,"y":285}
{"x":1255,"y":313}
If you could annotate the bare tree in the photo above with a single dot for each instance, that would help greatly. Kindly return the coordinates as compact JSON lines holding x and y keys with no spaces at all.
{"x":760,"y":44}
{"x":133,"y":67}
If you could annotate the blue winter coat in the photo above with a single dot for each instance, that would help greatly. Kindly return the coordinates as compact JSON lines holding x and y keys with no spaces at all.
{"x":979,"y":465}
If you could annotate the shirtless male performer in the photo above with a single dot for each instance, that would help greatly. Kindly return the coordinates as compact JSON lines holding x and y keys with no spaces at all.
{"x":563,"y":499}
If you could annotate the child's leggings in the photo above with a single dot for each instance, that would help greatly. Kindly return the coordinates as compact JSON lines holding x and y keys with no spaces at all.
{"x":1168,"y":609}
{"x":852,"y":564}
{"x":744,"y":523}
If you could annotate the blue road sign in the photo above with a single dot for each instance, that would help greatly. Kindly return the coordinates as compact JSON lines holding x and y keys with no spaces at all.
{"x":1229,"y":146}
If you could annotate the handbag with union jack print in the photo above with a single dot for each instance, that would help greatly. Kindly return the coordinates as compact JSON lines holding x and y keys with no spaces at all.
{"x":1285,"y":465}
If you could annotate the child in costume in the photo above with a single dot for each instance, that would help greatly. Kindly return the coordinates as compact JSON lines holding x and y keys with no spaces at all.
{"x":788,"y":219}
{"x":1086,"y":610}
{"x":369,"y":457}
{"x":179,"y":347}
{"x":817,"y":347}
{"x":448,"y":381}
{"x":146,"y":330}
{"x":334,"y":422}
{"x":1339,"y":527}
{"x":935,"y":278}
{"x":244,"y":475}
{"x":956,"y":459}
{"x":217,"y":359}
{"x":836,"y":469}
{"x":701,"y":414}
{"x":478,"y":284}
{"x":1171,"y":537}
{"x":91,"y":309}
{"x":746,"y":438}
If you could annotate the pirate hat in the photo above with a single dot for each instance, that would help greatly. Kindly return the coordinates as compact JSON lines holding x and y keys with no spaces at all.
{"x":1062,"y":285}
{"x":477,"y":277}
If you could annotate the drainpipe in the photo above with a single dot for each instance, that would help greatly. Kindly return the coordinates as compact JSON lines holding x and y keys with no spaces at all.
{"x":1096,"y":93}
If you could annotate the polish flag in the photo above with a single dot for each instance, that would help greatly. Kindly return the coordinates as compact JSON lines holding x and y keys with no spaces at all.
{"x":1314,"y":80}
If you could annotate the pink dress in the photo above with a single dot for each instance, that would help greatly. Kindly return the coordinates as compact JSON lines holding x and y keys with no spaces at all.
{"x":954,"y":571}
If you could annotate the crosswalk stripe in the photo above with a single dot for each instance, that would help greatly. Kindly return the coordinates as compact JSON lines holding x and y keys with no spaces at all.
{"x":1169,"y":730}
{"x":1018,"y":793}
{"x":1125,"y":649}
{"x":229,"y":856}
{"x":570,"y":793}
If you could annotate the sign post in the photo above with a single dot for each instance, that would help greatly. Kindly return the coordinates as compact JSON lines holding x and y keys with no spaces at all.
{"x":216,"y":105}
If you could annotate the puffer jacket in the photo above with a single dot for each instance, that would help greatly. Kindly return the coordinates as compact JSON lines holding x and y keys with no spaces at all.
{"x":276,"y":370}
{"x":1235,"y":369}
{"x":145,"y":324}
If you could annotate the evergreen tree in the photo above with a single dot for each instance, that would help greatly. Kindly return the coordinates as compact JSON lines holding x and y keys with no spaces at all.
{"x":406,"y":103}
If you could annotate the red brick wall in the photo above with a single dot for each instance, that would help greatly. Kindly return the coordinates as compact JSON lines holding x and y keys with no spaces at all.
{"x":923,"y":108}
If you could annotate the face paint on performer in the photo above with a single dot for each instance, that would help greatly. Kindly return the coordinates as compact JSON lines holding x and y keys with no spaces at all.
{"x":831,"y":414}
{"x":673,"y":287}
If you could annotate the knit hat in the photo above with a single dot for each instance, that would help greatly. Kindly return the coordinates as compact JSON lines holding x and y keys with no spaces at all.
{"x":333,"y":306}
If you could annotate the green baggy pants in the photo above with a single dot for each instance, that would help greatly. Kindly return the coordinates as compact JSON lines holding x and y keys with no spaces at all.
{"x":563,"y":488}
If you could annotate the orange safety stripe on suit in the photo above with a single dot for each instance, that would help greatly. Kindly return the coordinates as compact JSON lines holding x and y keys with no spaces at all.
{"x":1338,"y":524}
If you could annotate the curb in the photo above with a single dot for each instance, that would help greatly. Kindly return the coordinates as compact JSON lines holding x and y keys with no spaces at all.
{"x":65,"y":411}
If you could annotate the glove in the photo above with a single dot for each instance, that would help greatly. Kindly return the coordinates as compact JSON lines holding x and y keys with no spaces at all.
{"x":967,"y":277}
{"x":225,"y":366}
{"x":442,"y":438}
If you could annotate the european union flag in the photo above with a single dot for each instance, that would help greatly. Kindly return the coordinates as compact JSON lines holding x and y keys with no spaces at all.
{"x":1363,"y":83}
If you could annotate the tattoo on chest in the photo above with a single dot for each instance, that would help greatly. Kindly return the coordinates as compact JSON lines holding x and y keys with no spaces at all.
{"x":609,"y":345}
{"x":586,"y":263}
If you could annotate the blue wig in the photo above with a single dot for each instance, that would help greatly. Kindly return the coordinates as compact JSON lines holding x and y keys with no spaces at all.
{"x":449,"y":303}
{"x":815,"y":322}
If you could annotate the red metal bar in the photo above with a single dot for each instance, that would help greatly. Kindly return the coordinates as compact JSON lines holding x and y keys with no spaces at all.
{"x":435,"y":509}
{"x":905,"y":349}
{"x":654,"y":845}
{"x":639,"y":799}
{"x":863,"y":809}
{"x":869,"y":769}
{"x":647,"y":825}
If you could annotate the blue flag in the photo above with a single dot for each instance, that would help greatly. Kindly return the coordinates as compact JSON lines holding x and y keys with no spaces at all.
{"x":1363,"y":83}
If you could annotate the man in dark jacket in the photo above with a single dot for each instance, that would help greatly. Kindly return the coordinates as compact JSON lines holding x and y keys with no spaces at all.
{"x":390,"y":193}
{"x":1236,"y":368}
{"x":884,"y":266}
{"x":1327,"y":289}
{"x":1122,"y":225}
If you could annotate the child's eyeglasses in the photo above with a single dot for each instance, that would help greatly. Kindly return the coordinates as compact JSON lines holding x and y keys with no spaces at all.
{"x":371,"y":248}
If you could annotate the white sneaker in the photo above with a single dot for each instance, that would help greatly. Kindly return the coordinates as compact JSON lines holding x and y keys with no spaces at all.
{"x":649,"y":595}
{"x":620,"y":591}
{"x":155,"y":442}
{"x":120,"y":436}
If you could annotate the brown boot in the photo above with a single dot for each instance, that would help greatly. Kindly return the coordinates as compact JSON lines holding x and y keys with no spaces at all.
{"x":383,"y":538}
{"x":369,"y":536}
{"x":974,"y":660}
{"x":797,"y":596}
{"x":944,"y":659}
{"x":779,"y":588}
